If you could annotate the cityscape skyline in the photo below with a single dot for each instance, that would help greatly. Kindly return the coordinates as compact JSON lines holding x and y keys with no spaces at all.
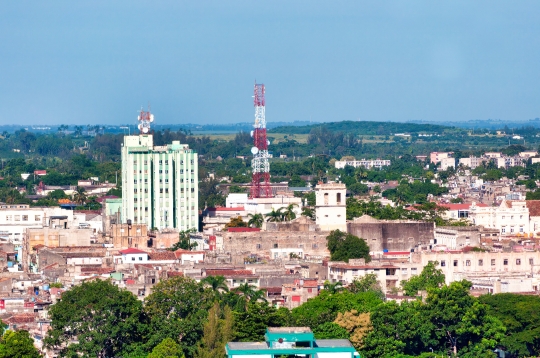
{"x":93,"y":63}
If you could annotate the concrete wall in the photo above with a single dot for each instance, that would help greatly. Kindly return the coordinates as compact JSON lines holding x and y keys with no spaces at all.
{"x":392,"y":236}
{"x":241,"y":244}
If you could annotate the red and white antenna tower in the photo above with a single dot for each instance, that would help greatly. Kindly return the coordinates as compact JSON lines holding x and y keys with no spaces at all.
{"x":145,"y":118}
{"x":260,"y":181}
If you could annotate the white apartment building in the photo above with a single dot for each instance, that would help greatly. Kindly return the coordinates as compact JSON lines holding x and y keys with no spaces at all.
{"x":511,"y":217}
{"x":448,"y":163}
{"x":472,"y":162}
{"x":368,"y":164}
{"x":159,"y":184}
{"x":16,"y":218}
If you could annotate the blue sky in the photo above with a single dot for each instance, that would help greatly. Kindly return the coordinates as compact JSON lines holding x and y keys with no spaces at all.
{"x":98,"y":62}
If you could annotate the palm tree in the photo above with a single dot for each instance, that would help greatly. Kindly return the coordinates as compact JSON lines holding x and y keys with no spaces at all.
{"x":273,"y":216}
{"x":255,"y":220}
{"x":308,"y":212}
{"x":218,"y":284}
{"x":333,"y":287}
{"x":79,"y":196}
{"x":250,"y":293}
{"x":288,"y":212}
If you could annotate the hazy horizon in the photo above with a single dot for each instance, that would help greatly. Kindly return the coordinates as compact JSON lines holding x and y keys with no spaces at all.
{"x":98,"y":62}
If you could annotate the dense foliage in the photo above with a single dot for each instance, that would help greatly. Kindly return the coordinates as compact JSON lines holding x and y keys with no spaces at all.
{"x":183,"y":317}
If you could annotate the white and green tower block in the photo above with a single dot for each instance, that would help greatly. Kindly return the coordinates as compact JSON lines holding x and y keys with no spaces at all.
{"x":159,"y":184}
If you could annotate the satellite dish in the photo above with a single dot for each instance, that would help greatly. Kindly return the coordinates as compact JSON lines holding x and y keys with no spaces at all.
{"x":138,"y":118}
{"x":151,"y":118}
{"x":267,"y":142}
{"x":254,"y":150}
{"x":145,"y":130}
{"x":251,"y":134}
{"x":139,"y":126}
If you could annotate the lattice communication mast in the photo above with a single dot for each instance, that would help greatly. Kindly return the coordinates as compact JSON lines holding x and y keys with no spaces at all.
{"x":145,"y":118}
{"x":260,"y":181}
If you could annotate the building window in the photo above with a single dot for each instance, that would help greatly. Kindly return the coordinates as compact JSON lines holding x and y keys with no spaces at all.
{"x":455,"y":263}
{"x":518,"y":261}
{"x":404,"y":271}
{"x":314,"y":246}
{"x":135,"y":191}
{"x":38,"y":218}
{"x":135,"y":181}
{"x":503,"y":217}
{"x":521,"y":229}
{"x":443,"y":263}
{"x":512,"y":229}
{"x":134,"y":162}
{"x":146,"y":162}
{"x":166,"y":181}
{"x":166,"y":171}
{"x":8,"y":217}
{"x":338,"y":198}
{"x":275,"y":246}
{"x":17,"y":218}
{"x":480,"y":262}
{"x":140,"y":258}
{"x":161,"y":191}
{"x":166,"y":162}
{"x":181,"y":171}
{"x":259,"y":246}
{"x":531,"y":261}
{"x":468,"y":263}
{"x":160,"y":162}
{"x":505,"y":262}
{"x":166,"y":190}
{"x":492,"y":262}
{"x":503,"y":230}
{"x":132,"y":259}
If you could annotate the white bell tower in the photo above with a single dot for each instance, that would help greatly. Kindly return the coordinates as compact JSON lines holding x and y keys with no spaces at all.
{"x":330,"y":206}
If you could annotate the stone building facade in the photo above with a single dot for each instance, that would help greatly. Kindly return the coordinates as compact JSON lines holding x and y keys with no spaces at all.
{"x":395,"y":235}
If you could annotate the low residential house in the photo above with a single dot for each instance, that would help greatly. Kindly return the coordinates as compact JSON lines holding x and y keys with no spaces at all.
{"x":299,"y":292}
{"x":236,"y":278}
{"x":131,"y":256}
{"x":70,"y":256}
{"x":189,"y":257}
{"x":388,"y":274}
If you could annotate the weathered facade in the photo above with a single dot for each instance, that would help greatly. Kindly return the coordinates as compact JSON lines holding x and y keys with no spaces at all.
{"x":393,"y":235}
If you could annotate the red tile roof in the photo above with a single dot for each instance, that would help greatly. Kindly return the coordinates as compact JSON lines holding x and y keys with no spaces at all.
{"x":243,"y":229}
{"x":132,"y":251}
{"x":229,"y":273}
{"x":534,"y":207}
{"x":462,"y":206}
{"x":174,"y":273}
{"x":240,"y":208}
{"x":162,"y":255}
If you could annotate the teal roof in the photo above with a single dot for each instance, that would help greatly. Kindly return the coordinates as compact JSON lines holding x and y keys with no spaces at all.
{"x":290,"y":340}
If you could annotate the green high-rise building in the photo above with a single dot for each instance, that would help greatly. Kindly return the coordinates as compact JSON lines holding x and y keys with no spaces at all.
{"x":159,"y":184}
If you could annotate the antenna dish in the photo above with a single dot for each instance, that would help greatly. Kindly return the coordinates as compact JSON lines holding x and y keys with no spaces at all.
{"x":254,"y":150}
{"x":251,"y":133}
{"x":145,"y":130}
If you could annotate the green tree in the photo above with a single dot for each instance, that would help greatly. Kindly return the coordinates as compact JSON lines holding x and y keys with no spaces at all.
{"x":236,"y":222}
{"x":184,"y":241}
{"x":80,"y":195}
{"x":18,"y":344}
{"x":218,"y":331}
{"x":168,"y":348}
{"x":343,"y":246}
{"x":218,"y":284}
{"x":288,"y":212}
{"x":274,"y":216}
{"x":255,"y":220}
{"x":330,"y":330}
{"x":358,"y":188}
{"x":366,"y":283}
{"x":520,"y":314}
{"x":251,"y":323}
{"x":95,"y":319}
{"x":429,"y":278}
{"x":333,"y":287}
{"x":177,"y":309}
{"x":308,"y":212}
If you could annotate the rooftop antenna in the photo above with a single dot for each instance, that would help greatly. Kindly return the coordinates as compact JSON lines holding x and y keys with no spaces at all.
{"x":145,"y":118}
